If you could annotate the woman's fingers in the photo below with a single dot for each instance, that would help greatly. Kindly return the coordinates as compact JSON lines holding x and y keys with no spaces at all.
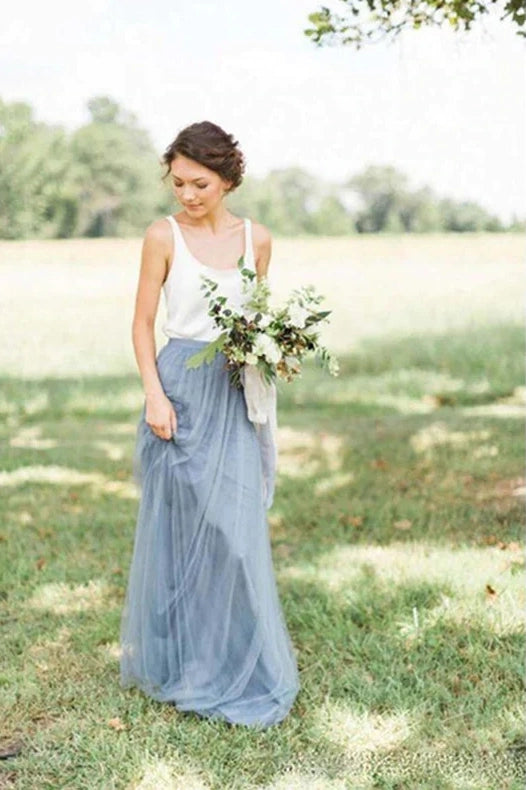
{"x":168,"y":430}
{"x":166,"y":425}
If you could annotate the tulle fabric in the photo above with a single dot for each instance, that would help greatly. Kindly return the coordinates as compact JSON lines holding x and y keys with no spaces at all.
{"x":202,"y":625}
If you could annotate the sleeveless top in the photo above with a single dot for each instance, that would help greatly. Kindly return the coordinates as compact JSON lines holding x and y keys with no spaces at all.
{"x":186,"y":303}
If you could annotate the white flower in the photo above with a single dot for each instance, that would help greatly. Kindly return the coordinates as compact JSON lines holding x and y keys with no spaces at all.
{"x":334,"y":366}
{"x":251,"y":359}
{"x":293,"y":363}
{"x":264,"y":321}
{"x":298,"y":315}
{"x":267,"y":347}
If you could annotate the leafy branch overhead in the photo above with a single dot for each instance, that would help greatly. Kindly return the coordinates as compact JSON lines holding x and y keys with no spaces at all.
{"x":368,"y":21}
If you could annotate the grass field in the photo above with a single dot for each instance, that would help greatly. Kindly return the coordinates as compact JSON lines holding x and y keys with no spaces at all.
{"x":397,"y":527}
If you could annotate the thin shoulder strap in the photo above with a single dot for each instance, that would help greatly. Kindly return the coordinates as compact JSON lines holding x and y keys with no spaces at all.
{"x":249,"y":248}
{"x":173,"y":223}
{"x":178,"y":239}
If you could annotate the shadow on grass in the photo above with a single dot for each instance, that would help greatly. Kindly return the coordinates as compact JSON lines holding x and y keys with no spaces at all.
{"x":365,"y":666}
{"x":378,"y":695}
{"x":361,"y":483}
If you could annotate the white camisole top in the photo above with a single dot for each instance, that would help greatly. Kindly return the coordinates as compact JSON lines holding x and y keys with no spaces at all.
{"x":186,"y":303}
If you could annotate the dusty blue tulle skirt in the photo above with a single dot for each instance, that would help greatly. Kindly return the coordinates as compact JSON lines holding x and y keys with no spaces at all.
{"x":202,"y":625}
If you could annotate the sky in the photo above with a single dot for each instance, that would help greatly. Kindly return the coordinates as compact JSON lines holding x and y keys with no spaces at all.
{"x":447,"y":109}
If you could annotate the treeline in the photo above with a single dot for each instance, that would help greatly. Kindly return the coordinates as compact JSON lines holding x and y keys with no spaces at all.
{"x":104,"y":179}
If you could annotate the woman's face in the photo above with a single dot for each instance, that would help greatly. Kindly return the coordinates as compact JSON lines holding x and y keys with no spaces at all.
{"x":197,"y":188}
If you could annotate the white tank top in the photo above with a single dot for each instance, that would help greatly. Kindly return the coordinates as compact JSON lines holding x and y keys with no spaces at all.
{"x":186,"y":303}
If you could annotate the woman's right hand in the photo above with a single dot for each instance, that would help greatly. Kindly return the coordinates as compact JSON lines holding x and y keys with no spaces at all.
{"x":160,"y":415}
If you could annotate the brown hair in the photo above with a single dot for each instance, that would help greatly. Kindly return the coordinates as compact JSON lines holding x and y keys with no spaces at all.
{"x":211,"y":146}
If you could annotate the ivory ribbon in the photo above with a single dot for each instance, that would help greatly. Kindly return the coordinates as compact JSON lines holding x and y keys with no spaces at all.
{"x":261,"y":401}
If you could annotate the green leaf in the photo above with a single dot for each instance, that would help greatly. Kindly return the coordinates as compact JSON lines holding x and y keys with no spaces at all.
{"x":207,"y":354}
{"x":312,"y":319}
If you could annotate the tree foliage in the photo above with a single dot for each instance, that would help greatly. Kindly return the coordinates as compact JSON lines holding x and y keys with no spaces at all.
{"x":113,"y":170}
{"x":104,"y":179}
{"x":368,"y":21}
{"x":101,"y":180}
{"x":33,"y":162}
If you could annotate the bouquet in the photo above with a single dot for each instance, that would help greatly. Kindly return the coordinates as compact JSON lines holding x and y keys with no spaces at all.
{"x":261,"y":343}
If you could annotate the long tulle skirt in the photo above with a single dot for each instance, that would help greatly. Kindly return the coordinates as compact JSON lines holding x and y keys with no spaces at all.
{"x":202,"y":625}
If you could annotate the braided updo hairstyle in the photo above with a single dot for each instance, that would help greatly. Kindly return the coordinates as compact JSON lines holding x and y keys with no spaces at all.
{"x":211,"y":146}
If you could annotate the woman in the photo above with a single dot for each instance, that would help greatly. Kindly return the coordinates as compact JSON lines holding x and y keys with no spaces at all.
{"x":202,"y":625}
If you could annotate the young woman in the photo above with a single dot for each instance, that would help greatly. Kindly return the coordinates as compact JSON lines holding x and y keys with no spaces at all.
{"x":202,"y":625}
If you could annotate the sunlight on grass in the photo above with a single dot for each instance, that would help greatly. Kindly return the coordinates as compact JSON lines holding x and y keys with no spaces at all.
{"x":36,"y":404}
{"x":333,"y":483}
{"x":305,"y":453}
{"x":61,"y":598}
{"x":112,"y":451}
{"x":362,"y":731}
{"x":485,"y":581}
{"x":111,"y":650}
{"x":438,"y":433}
{"x":403,"y":385}
{"x":411,"y":390}
{"x":403,"y":404}
{"x":24,"y":517}
{"x":121,"y":488}
{"x":513,"y":405}
{"x":7,"y":406}
{"x":494,"y":410}
{"x":63,"y":475}
{"x":159,"y":775}
{"x":121,"y":428}
{"x":295,"y":780}
{"x":30,"y":437}
{"x":485,"y":451}
{"x":28,"y":405}
{"x":93,"y":402}
{"x":57,"y":475}
{"x":46,"y":653}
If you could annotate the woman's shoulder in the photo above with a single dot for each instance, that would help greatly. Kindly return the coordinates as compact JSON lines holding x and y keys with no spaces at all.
{"x":158,"y":225}
{"x":260,"y":234}
{"x":158,"y":231}
{"x":262,"y":245}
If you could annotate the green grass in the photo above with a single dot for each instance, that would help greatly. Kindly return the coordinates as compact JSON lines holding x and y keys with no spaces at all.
{"x":397,"y":535}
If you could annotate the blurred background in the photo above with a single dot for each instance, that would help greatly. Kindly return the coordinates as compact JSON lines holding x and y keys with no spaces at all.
{"x":422,"y":132}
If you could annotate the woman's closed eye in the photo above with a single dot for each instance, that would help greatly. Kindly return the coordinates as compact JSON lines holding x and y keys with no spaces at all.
{"x":199,"y":186}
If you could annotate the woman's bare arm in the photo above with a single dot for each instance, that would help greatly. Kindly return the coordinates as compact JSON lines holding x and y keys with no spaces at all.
{"x":151,"y":277}
{"x":262,"y":248}
{"x":160,"y":414}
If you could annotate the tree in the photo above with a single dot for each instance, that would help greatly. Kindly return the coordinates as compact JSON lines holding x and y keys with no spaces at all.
{"x":466,"y":215}
{"x":34,"y":198}
{"x":281,"y":200}
{"x":115,"y":169}
{"x":330,"y":218}
{"x":365,"y":21}
{"x":381,"y":190}
{"x":420,"y":212}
